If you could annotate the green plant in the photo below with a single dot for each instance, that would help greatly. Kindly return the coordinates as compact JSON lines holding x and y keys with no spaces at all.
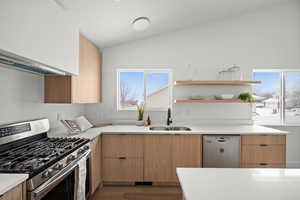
{"x":141,"y":111}
{"x":246,"y":96}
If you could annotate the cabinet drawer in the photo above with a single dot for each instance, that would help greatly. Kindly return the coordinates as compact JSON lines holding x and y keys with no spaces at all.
{"x":263,"y":139}
{"x":122,"y":170}
{"x":129,"y":146}
{"x":263,"y":165}
{"x":263,"y":154}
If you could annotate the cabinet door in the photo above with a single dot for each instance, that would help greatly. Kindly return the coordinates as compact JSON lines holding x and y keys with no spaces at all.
{"x":14,"y":194}
{"x":128,"y":146}
{"x":40,"y":31}
{"x":95,"y":177}
{"x":263,"y":151}
{"x":263,"y":154}
{"x":158,"y":158}
{"x":86,"y":87}
{"x":187,"y":152}
{"x":122,"y":169}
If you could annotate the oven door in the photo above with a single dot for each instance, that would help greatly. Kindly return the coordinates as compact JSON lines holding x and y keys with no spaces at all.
{"x":61,"y":186}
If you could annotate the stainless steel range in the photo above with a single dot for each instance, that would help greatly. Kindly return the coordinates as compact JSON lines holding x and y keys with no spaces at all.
{"x":52,"y":163}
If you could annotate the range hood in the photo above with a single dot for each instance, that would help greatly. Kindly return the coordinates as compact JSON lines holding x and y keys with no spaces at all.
{"x":14,"y":61}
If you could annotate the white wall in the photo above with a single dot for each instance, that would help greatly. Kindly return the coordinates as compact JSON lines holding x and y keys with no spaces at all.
{"x":22,"y":96}
{"x":267,"y":38}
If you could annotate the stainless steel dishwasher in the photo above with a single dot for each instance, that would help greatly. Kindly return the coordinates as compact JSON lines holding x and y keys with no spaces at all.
{"x":221,"y":151}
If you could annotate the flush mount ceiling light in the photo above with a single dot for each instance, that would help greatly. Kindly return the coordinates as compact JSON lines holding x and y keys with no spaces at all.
{"x":141,"y":23}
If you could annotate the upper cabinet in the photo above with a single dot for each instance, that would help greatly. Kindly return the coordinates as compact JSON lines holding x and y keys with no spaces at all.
{"x":41,"y":31}
{"x":84,"y":88}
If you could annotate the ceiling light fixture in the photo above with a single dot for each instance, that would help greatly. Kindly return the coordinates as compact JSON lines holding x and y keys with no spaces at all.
{"x":141,"y":23}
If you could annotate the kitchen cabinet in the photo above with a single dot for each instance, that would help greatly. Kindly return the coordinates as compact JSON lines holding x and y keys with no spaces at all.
{"x":84,"y":88}
{"x":41,"y":31}
{"x":122,"y":158}
{"x":158,"y":161}
{"x":95,"y":177}
{"x":263,"y":151}
{"x":148,"y":158}
{"x":17,"y":193}
{"x":122,"y":169}
{"x":122,"y":145}
{"x":187,"y":152}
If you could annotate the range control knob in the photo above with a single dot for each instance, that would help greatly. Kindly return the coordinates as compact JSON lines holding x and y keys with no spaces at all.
{"x":45,"y":174}
{"x":86,"y":147}
{"x":58,"y":166}
{"x":80,"y":151}
{"x":71,"y":158}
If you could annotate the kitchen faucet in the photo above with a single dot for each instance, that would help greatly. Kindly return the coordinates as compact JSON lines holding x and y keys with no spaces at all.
{"x":169,"y":120}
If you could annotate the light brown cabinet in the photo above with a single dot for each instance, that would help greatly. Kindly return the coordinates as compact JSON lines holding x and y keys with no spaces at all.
{"x":164,"y":153}
{"x":263,"y":151}
{"x":187,"y":152}
{"x":17,"y":193}
{"x":95,"y":176}
{"x":122,"y":145}
{"x":148,"y":158}
{"x":122,"y":169}
{"x":84,"y":88}
{"x":158,"y":158}
{"x":123,"y":158}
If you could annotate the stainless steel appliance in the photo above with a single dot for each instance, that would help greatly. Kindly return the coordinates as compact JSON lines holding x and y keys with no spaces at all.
{"x":51,"y":163}
{"x":221,"y":151}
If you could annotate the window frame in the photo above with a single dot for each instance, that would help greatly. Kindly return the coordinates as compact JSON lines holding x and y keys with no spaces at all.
{"x":282,"y":100}
{"x":145,"y":71}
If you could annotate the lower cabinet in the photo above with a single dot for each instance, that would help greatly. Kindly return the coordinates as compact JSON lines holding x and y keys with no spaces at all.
{"x":165,"y":153}
{"x":149,"y":158}
{"x":187,"y":152}
{"x":158,"y":158}
{"x":123,"y":158}
{"x":263,"y":151}
{"x":95,"y":177}
{"x":17,"y":193}
{"x":122,"y":169}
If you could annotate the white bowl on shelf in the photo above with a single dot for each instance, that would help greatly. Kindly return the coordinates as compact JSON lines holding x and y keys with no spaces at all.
{"x":225,"y":96}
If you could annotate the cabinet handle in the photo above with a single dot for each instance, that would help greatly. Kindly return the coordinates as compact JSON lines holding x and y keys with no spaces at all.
{"x":263,"y":145}
{"x":263,"y":164}
{"x":122,"y":158}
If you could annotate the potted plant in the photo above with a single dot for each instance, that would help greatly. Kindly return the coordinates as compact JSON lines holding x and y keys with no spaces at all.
{"x":141,"y":111}
{"x":246,"y":96}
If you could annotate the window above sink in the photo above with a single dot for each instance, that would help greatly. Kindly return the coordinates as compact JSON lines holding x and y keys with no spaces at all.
{"x":152,"y":87}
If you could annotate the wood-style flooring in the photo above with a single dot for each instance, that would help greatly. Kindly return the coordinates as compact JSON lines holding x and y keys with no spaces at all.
{"x":138,"y":193}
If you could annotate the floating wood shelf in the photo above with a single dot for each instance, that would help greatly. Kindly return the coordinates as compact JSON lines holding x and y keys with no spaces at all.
{"x":212,"y":101}
{"x":230,"y":83}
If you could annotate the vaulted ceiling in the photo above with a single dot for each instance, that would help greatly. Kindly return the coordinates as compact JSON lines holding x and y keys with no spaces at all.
{"x":108,"y":22}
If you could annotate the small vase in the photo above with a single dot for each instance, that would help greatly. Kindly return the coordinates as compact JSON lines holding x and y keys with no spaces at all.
{"x":140,"y":123}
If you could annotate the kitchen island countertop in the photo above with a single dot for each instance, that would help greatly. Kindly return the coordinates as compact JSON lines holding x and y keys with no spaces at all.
{"x":237,"y":184}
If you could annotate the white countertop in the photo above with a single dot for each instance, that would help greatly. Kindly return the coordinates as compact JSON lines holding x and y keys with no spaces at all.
{"x":204,"y":129}
{"x":9,"y":181}
{"x":237,"y":184}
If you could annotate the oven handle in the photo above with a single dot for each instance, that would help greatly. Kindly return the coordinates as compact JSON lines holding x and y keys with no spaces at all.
{"x":49,"y":185}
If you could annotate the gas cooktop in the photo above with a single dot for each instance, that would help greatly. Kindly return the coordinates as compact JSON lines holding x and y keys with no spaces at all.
{"x":36,"y":156}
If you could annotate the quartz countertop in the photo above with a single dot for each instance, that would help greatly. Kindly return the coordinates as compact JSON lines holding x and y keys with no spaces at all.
{"x":237,"y":184}
{"x":9,"y":181}
{"x":201,"y":129}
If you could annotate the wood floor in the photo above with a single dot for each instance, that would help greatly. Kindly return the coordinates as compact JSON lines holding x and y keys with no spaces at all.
{"x":138,"y":193}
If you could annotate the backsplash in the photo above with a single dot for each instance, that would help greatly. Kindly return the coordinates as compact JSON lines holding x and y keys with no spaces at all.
{"x":22,"y":96}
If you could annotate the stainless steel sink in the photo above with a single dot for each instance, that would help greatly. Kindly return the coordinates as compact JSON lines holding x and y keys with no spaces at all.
{"x":169,"y":128}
